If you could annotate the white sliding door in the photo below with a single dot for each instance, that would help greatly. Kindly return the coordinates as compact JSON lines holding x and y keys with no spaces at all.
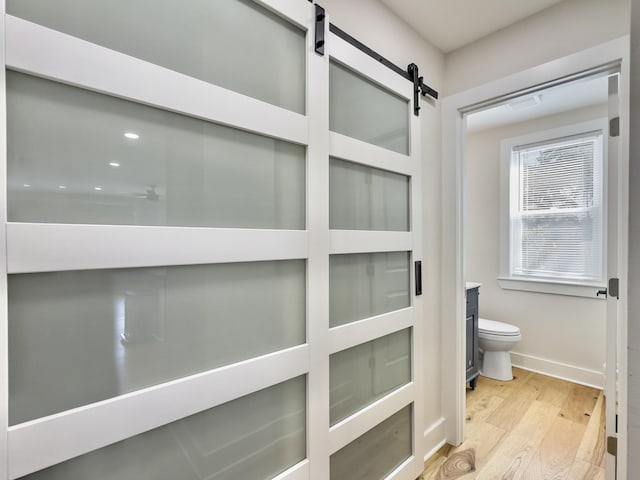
{"x":375,"y":334}
{"x":211,"y":233}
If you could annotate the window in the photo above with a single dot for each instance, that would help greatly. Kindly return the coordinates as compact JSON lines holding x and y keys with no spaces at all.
{"x":554,"y":209}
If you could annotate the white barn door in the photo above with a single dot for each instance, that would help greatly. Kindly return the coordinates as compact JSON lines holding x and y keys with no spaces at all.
{"x":375,"y":334}
{"x":211,"y":234}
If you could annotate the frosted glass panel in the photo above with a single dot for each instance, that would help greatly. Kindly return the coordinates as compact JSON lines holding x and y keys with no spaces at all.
{"x":365,"y":198}
{"x":70,"y":160}
{"x":236,"y":44}
{"x":252,"y":438}
{"x":365,"y":111}
{"x":377,"y":453}
{"x":362,"y":285}
{"x":78,"y":337}
{"x":362,"y":374}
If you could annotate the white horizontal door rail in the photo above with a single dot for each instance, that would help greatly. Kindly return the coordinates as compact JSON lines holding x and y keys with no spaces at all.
{"x":299,"y":471}
{"x":43,"y":247}
{"x":366,"y":66}
{"x":364,"y":420}
{"x":360,"y":241}
{"x":37,"y":444}
{"x":292,"y":10}
{"x":34,"y":49}
{"x":347,"y":148}
{"x":356,"y":333}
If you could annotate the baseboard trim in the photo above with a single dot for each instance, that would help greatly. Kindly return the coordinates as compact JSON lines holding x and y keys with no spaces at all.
{"x":434,"y":438}
{"x":563,"y":371}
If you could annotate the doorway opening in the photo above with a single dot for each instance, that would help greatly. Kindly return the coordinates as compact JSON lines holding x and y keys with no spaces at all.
{"x":535,"y":250}
{"x":511,"y":261}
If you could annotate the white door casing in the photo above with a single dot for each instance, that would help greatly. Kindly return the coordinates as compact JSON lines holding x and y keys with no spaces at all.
{"x":617,"y":255}
{"x":612,"y":273}
{"x":606,"y":57}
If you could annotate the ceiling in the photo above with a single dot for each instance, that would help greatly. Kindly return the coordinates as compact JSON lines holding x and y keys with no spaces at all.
{"x":450,"y":24}
{"x":571,"y":96}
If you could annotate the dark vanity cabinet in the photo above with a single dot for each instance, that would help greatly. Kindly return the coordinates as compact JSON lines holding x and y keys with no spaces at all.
{"x":472,"y":357}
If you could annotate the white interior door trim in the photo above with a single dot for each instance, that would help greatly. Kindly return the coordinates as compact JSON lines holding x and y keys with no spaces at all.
{"x":4,"y":320}
{"x":623,"y":263}
{"x":34,"y":49}
{"x":453,"y":200}
{"x":613,"y":178}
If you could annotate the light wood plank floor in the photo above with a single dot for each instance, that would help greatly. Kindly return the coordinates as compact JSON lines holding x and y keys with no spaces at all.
{"x":532,"y":428}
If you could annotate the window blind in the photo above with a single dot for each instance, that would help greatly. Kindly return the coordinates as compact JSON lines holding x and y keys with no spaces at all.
{"x":556,"y":209}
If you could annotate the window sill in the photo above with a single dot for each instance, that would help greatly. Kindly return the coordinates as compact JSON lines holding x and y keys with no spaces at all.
{"x":555,"y":288}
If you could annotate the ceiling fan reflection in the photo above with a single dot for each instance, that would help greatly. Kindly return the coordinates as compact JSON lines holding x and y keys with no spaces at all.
{"x":149,"y":194}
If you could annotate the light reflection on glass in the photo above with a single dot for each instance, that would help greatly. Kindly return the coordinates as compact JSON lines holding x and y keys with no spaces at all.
{"x":362,"y":374}
{"x":254,"y":437}
{"x":79,"y":337}
{"x":187,"y":172}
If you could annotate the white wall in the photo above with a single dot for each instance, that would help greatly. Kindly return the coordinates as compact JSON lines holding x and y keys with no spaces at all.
{"x":560,"y":30}
{"x":555,"y":328}
{"x":633,"y":446}
{"x":374,"y":24}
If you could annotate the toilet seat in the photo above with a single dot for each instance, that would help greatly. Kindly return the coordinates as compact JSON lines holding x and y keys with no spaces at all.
{"x":492,"y":327}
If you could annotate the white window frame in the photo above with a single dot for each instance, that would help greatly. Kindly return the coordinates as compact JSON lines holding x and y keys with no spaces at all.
{"x":508,"y":280}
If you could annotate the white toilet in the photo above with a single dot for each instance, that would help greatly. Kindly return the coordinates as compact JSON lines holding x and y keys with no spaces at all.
{"x":496,"y":339}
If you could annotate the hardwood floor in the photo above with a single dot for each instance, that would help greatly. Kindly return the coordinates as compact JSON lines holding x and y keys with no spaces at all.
{"x":532,"y":428}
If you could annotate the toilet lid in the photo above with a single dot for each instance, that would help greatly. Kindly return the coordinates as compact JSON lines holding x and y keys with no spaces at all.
{"x":497,"y":328}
